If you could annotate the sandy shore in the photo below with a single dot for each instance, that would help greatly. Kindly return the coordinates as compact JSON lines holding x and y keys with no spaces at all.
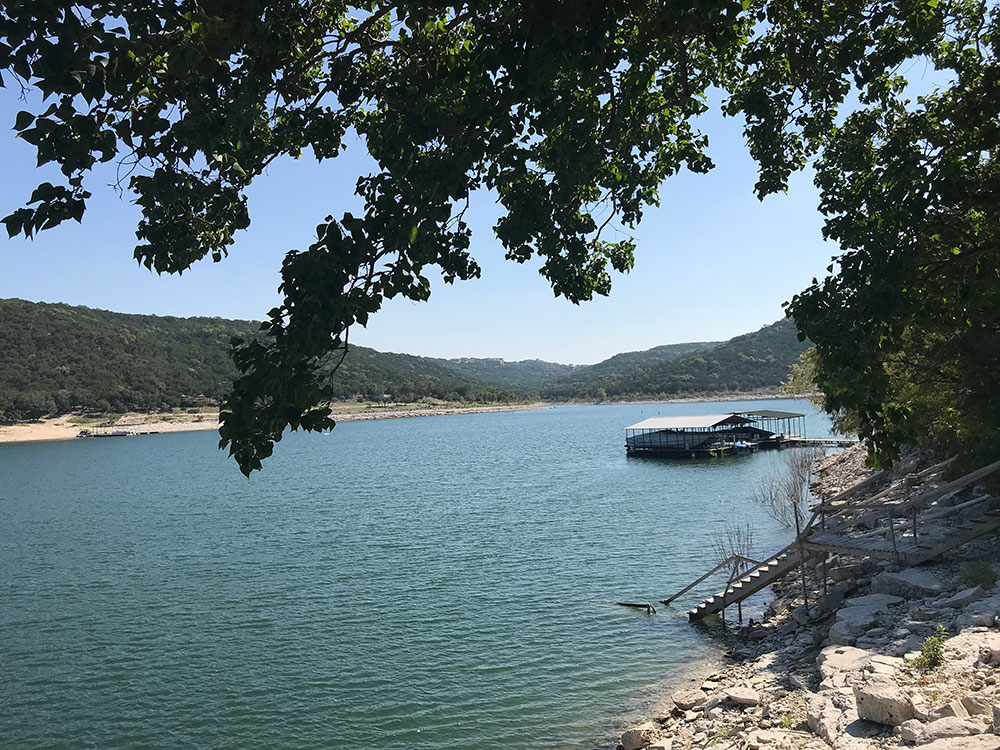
{"x":62,"y":428}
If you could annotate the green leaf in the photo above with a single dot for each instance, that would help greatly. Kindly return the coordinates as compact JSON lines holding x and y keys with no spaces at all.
{"x":23,"y":120}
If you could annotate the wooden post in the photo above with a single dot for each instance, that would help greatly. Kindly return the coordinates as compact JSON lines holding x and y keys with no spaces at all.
{"x":892,"y":535}
{"x":914,"y":524}
{"x":725,"y":595}
{"x":802,"y":557}
{"x":826,"y":555}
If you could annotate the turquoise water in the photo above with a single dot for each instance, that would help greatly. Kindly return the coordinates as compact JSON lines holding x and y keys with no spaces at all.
{"x":440,"y":582}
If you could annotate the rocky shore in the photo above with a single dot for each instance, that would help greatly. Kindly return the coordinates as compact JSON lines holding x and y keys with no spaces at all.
{"x":887,"y":658}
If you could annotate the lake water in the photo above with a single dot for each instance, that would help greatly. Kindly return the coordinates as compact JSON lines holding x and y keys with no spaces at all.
{"x":418,"y":584}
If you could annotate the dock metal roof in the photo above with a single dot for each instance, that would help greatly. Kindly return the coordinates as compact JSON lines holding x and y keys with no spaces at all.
{"x":772,"y":414}
{"x":696,"y":422}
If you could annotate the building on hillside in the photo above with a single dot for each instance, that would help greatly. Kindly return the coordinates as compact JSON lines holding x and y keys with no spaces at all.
{"x":713,"y":434}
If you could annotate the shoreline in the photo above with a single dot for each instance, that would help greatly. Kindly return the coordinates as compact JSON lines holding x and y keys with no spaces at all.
{"x":844,"y":672}
{"x":61,"y":428}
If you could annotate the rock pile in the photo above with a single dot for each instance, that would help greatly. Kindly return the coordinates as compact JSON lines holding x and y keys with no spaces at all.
{"x":853,"y":675}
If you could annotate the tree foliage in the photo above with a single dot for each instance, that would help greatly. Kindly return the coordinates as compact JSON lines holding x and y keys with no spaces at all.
{"x":906,"y":328}
{"x":572,"y":113}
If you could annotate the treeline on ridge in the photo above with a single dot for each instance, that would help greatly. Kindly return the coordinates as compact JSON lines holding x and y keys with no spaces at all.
{"x":57,"y":358}
{"x":751,"y":362}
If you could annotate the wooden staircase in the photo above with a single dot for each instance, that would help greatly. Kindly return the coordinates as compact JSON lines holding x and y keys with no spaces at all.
{"x":895,"y":537}
{"x":908,"y":551}
{"x":750,"y":583}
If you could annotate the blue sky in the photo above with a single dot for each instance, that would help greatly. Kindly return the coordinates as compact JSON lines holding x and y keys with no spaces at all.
{"x":712,"y":262}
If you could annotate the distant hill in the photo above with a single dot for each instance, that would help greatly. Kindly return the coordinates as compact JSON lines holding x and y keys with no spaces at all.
{"x":528,"y":373}
{"x":583,"y":378}
{"x":374,"y":375}
{"x":749,"y":362}
{"x":56,"y":358}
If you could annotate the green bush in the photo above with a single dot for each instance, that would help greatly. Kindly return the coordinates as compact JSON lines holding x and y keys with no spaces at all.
{"x":932,"y":650}
{"x":978,"y":574}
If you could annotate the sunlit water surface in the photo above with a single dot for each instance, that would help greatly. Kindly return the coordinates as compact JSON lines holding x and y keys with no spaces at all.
{"x":430,"y":583}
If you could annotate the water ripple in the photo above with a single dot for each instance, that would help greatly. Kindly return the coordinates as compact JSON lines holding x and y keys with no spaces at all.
{"x":423,"y":584}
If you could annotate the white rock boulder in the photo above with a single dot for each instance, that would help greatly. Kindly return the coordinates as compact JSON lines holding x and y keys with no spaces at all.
{"x":881,"y":700}
{"x":964,"y":598}
{"x":742,"y":696}
{"x":639,"y":737}
{"x":949,"y":727}
{"x":685,"y":700}
{"x":979,"y":742}
{"x":912,"y":583}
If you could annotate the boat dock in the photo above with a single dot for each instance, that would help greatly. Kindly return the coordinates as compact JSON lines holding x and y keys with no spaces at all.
{"x":714,"y":435}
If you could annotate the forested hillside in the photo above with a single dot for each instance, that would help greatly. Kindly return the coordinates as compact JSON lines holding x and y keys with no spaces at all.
{"x":749,"y":362}
{"x":56,"y":358}
{"x":528,"y":373}
{"x":625,"y":362}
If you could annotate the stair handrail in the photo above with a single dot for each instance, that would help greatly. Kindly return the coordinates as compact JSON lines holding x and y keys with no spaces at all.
{"x":690,"y":586}
{"x":922,"y":499}
{"x":863,"y":484}
{"x":792,"y":548}
{"x":827,"y":505}
{"x":733,"y":557}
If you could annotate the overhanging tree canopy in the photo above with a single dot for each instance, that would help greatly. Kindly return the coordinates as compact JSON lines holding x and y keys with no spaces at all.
{"x":572,"y":112}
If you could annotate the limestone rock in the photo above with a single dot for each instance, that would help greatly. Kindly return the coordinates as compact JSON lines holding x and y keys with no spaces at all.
{"x":877,"y":602}
{"x":833,"y":660}
{"x":980,"y":742}
{"x":742,"y":696}
{"x":860,"y":614}
{"x":911,"y":730}
{"x":847,"y":742}
{"x":963,"y":598}
{"x":950,"y":726}
{"x":849,"y":572}
{"x":883,"y":702}
{"x":843,"y":634}
{"x":921,"y":711}
{"x":639,"y":737}
{"x":978,"y":705}
{"x":685,"y":700}
{"x":824,"y":718}
{"x":912,"y":583}
{"x":984,"y":621}
{"x":775,"y":739}
{"x":954,"y":708}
